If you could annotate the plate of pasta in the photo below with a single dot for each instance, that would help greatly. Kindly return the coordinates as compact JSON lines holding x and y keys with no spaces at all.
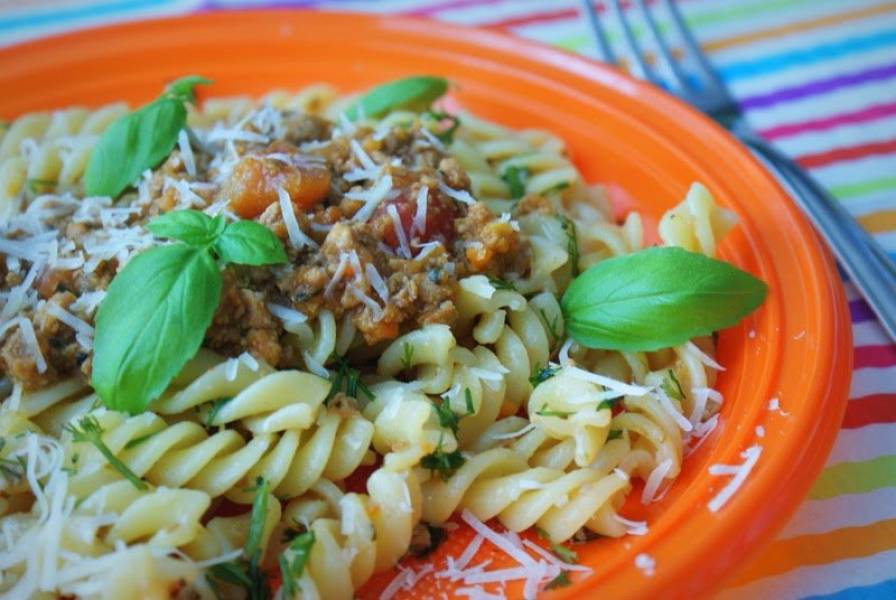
{"x":384,"y":308}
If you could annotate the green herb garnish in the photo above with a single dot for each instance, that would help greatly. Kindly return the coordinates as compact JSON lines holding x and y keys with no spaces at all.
{"x":157,"y":309}
{"x":542,"y":374}
{"x":292,"y":562}
{"x":138,"y":440}
{"x":447,"y":417}
{"x":561,"y":580}
{"x":501,"y":284}
{"x":567,"y":555}
{"x":213,"y":411}
{"x":672,"y":386}
{"x":139,"y":140}
{"x":412,"y":93}
{"x":544,"y":411}
{"x":89,"y":430}
{"x":614,"y":434}
{"x":551,"y":326}
{"x":572,"y":242}
{"x":657,"y":298}
{"x":348,"y":381}
{"x":445,"y":463}
{"x":35,"y":185}
{"x":13,"y":469}
{"x":468,"y":401}
{"x":515,"y":178}
{"x":608,"y":404}
{"x":407,"y":355}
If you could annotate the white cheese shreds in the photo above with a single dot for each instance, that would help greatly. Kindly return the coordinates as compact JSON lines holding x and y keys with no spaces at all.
{"x":760,"y":431}
{"x":79,"y":325}
{"x":739,"y":472}
{"x":514,"y":434}
{"x":297,"y":237}
{"x":497,"y":539}
{"x":461,"y":196}
{"x":362,"y":156}
{"x":371,"y":198}
{"x":613,"y":385}
{"x":30,"y":340}
{"x":186,"y":152}
{"x":632,"y":527}
{"x":425,"y":249}
{"x":477,"y":593}
{"x":563,"y":355}
{"x":654,"y":480}
{"x":404,"y":249}
{"x":667,"y":405}
{"x":223,"y":134}
{"x":433,"y":140}
{"x":553,"y":559}
{"x":88,"y":302}
{"x":419,"y":225}
{"x":356,"y":267}
{"x":646,"y":563}
{"x":375,"y":309}
{"x":775,"y":405}
{"x":704,"y":358}
{"x":337,"y":275}
{"x":290,"y":317}
{"x":376,"y":281}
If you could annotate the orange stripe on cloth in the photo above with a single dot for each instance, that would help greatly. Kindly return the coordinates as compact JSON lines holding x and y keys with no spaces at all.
{"x":819,"y":549}
{"x":879,"y":222}
{"x":817,"y":23}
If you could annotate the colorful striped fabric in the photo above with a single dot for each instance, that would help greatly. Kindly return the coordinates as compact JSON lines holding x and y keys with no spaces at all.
{"x":817,"y":77}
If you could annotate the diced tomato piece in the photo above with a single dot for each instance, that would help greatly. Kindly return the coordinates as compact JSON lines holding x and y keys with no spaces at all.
{"x":254,"y":182}
{"x":440,"y":215}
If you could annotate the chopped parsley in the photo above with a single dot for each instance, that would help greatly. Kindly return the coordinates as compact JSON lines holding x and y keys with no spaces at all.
{"x":614,"y":434}
{"x":139,"y":440}
{"x":672,"y":386}
{"x":348,"y":380}
{"x":515,"y":178}
{"x":291,"y":568}
{"x":89,"y":430}
{"x":468,"y":401}
{"x":542,"y":374}
{"x":407,"y":355}
{"x":565,"y":554}
{"x":544,"y":411}
{"x":13,"y":469}
{"x":434,"y":538}
{"x":608,"y":404}
{"x":447,"y":417}
{"x":36,"y":186}
{"x":572,"y":242}
{"x":246,"y":572}
{"x":445,"y":463}
{"x":216,"y":407}
{"x":501,"y":284}
{"x":561,"y":580}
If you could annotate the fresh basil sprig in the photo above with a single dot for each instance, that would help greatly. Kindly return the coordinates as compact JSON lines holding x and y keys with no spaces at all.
{"x":139,"y":140}
{"x":657,"y":298}
{"x":413,"y":93}
{"x":157,"y":309}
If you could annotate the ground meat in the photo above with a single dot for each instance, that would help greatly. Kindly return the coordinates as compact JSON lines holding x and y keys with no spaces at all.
{"x":18,"y":362}
{"x":491,"y":244}
{"x":244,"y":323}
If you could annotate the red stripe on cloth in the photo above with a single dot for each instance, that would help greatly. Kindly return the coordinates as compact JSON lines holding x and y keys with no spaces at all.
{"x":878,"y":111}
{"x":848,"y":153}
{"x":877,"y":408}
{"x":547,"y":16}
{"x":874,"y":356}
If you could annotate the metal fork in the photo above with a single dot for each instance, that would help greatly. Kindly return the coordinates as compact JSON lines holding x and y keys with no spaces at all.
{"x":859,"y":254}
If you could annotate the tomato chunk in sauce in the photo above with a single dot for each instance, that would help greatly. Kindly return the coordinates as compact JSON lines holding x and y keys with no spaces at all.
{"x":439,"y":222}
{"x":254,"y":183}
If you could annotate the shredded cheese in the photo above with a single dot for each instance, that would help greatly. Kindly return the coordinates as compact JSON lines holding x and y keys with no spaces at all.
{"x":290,"y":317}
{"x":632,"y":527}
{"x":376,"y":281}
{"x":371,"y":198}
{"x":613,"y":385}
{"x":739,"y":472}
{"x":654,"y":480}
{"x":375,"y":309}
{"x":419,"y":225}
{"x":297,"y":237}
{"x":704,"y":358}
{"x":461,"y":196}
{"x":404,"y":249}
{"x":646,"y":563}
{"x":186,"y":152}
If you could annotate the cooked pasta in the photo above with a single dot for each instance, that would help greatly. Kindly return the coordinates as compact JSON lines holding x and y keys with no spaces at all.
{"x":385,"y":294}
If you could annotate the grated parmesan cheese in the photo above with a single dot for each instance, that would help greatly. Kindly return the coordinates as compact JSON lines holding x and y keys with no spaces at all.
{"x":740,"y":473}
{"x":646,"y":563}
{"x":371,"y":198}
{"x":186,"y":152}
{"x":654,"y":480}
{"x":632,"y":527}
{"x":403,"y":248}
{"x":358,"y":293}
{"x":704,"y":358}
{"x":419,"y":225}
{"x":461,"y":196}
{"x":613,"y":385}
{"x":376,"y":281}
{"x":290,"y":317}
{"x":297,"y":237}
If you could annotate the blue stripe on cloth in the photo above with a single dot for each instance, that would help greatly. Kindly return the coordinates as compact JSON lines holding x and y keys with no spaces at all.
{"x":58,"y":15}
{"x":815,"y":54}
{"x":880,"y":591}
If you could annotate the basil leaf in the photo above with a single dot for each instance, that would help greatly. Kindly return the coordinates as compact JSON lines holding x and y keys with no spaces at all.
{"x":250,"y":243}
{"x":132,"y":144}
{"x":152,"y":320}
{"x":191,"y":226}
{"x":657,"y":298}
{"x":412,"y":93}
{"x":184,"y":88}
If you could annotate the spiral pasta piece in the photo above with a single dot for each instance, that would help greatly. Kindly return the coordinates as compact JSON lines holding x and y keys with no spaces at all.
{"x":698,"y":223}
{"x":356,"y":535}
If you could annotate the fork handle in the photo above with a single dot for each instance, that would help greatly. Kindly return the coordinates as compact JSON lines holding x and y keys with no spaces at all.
{"x":858,"y":253}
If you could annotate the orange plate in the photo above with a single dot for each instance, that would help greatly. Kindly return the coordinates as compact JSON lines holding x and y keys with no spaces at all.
{"x":797,"y":347}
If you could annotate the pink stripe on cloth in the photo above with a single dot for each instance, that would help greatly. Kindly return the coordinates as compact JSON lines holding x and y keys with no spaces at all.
{"x":877,"y":111}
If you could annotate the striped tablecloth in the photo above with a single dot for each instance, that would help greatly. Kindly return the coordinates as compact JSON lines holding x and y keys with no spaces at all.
{"x":818,"y":78}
